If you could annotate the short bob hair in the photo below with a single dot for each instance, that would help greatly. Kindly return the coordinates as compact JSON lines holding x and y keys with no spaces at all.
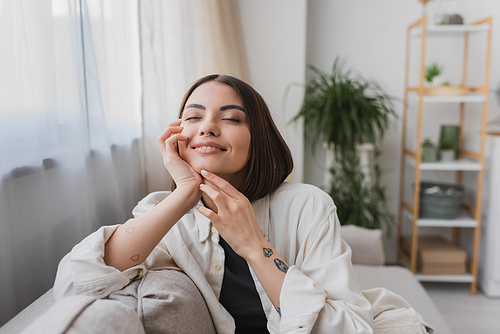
{"x":270,"y":160}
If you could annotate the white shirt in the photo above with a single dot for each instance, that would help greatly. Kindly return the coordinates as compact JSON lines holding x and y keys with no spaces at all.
{"x":320,"y":293}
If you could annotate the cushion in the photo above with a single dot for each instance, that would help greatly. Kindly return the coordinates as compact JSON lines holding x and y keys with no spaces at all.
{"x":366,"y":245}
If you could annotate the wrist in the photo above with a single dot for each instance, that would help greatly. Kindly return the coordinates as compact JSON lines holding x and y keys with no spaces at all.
{"x":259,"y":251}
{"x":191,"y":194}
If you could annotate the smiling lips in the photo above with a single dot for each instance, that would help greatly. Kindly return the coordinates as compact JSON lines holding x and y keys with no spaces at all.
{"x":207,"y":147}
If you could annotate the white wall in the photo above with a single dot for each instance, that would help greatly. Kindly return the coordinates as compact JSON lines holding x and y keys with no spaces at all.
{"x":274,"y":33}
{"x":371,"y":35}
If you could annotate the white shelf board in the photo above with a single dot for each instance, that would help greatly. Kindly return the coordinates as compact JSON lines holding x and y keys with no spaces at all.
{"x":467,"y":278}
{"x":456,"y":165}
{"x":448,"y":99}
{"x":463,"y":220}
{"x":435,"y":29}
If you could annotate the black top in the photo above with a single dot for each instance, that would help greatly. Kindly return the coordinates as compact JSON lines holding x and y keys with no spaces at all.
{"x":239,"y":295}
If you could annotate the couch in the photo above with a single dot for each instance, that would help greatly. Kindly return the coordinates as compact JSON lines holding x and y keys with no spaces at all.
{"x":368,"y":260}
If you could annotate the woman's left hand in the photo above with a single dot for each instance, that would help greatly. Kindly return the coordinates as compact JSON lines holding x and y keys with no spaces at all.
{"x":235,"y":218}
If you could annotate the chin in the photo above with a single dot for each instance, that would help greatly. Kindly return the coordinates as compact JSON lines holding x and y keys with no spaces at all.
{"x":206,"y":166}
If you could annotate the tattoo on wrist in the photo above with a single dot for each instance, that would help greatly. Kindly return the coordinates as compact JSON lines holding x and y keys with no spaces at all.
{"x":130,"y":230}
{"x":135,"y":258}
{"x":279,"y":310}
{"x":267,"y":252}
{"x":281,"y":265}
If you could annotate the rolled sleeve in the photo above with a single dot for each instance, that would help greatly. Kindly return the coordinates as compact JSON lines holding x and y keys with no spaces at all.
{"x":83,"y":271}
{"x":298,"y":288}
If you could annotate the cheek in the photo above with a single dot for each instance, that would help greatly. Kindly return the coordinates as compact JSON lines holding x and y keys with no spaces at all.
{"x":183,"y":145}
{"x":244,"y":145}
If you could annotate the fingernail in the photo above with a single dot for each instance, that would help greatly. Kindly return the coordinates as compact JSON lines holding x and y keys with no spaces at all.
{"x":201,"y":185}
{"x":204,"y":172}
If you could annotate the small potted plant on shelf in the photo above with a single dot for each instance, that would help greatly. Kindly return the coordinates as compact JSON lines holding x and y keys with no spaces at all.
{"x":436,"y":84}
{"x":432,"y":74}
{"x":450,"y":136}
{"x":429,"y":151}
{"x":446,"y":151}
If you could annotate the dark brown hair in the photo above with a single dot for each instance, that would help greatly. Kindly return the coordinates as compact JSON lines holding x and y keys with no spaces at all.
{"x":270,"y":160}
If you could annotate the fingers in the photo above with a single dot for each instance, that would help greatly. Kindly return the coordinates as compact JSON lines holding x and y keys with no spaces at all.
{"x":207,"y":213}
{"x":219,"y":182}
{"x":219,"y":198}
{"x":172,"y":128}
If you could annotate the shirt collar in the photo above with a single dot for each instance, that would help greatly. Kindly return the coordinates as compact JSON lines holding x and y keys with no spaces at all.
{"x":260,"y":207}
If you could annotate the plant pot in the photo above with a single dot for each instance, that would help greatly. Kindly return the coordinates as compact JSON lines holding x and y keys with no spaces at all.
{"x":446,"y":155}
{"x":429,"y":153}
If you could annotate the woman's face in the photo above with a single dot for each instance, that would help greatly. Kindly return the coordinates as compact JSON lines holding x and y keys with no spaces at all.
{"x":218,"y":131}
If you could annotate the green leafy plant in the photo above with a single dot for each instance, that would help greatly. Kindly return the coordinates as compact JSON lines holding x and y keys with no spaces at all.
{"x":447,"y":145}
{"x":359,"y":202}
{"x":343,"y":110}
{"x":428,"y":143}
{"x":432,"y":71}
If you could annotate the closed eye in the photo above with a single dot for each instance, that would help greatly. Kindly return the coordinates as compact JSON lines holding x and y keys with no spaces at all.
{"x":191,"y":118}
{"x":232,"y":120}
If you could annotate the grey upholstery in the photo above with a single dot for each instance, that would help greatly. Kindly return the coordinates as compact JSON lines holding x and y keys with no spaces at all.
{"x":397,"y":279}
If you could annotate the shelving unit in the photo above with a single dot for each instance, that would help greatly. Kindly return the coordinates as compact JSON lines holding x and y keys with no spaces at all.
{"x":468,"y":161}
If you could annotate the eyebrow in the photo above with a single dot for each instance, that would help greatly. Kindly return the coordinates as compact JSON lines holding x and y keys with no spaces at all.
{"x":194,"y":105}
{"x":231,"y":106}
{"x":226,"y":107}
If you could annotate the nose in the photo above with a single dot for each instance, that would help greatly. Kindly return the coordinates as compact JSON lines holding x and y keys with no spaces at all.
{"x":209,"y":128}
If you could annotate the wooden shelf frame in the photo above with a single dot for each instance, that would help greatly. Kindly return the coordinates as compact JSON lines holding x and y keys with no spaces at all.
{"x":421,"y":29}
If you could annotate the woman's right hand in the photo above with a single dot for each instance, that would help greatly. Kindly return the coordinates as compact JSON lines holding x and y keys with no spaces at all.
{"x":182,"y":173}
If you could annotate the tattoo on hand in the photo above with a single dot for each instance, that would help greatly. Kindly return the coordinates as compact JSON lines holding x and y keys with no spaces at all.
{"x":279,"y":310}
{"x":268,"y":252}
{"x":281,"y":265}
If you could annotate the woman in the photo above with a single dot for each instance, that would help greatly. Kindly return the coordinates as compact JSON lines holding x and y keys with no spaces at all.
{"x":266,"y":255}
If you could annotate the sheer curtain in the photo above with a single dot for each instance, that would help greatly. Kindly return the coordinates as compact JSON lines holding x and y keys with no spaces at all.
{"x":180,"y":42}
{"x":70,"y":133}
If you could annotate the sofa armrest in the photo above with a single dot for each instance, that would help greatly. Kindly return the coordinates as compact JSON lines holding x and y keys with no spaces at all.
{"x":24,"y":318}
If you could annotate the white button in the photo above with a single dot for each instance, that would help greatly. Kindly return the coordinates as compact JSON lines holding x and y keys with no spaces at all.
{"x":217,"y":266}
{"x":204,"y":233}
{"x":214,"y":230}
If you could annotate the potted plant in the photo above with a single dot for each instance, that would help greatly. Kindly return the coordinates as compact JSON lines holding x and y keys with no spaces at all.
{"x":429,"y":151}
{"x":432,"y":74}
{"x":343,"y":110}
{"x":449,"y":139}
{"x":446,"y":151}
{"x":436,"y":84}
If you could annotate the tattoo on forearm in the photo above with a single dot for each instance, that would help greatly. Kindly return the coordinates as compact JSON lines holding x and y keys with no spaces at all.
{"x":279,"y":310}
{"x":135,"y":258}
{"x":281,"y":265}
{"x":130,"y":230}
{"x":268,"y":252}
